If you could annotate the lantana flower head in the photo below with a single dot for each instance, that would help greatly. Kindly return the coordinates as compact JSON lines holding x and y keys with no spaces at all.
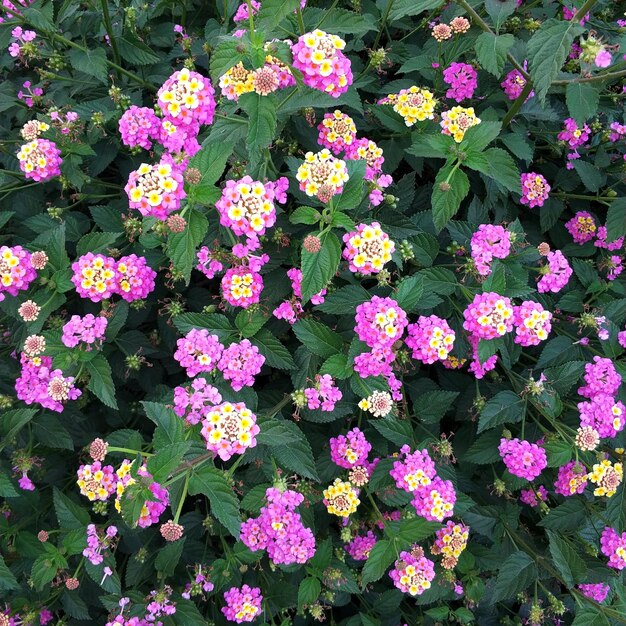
{"x":380,"y":322}
{"x":322,"y":175}
{"x":532,"y":323}
{"x":187,"y":97}
{"x":414,"y":104}
{"x":535,"y":189}
{"x":522,"y":458}
{"x":350,"y":449}
{"x":431,"y":339}
{"x":337,"y":132}
{"x":413,"y":575}
{"x":368,"y":248}
{"x":489,"y":242}
{"x":40,"y":159}
{"x":16,"y":270}
{"x":230,"y":428}
{"x":198,"y":351}
{"x":556,"y":274}
{"x":457,"y":121}
{"x":95,"y":276}
{"x":582,"y":227}
{"x":489,"y":316}
{"x":341,"y":498}
{"x":242,"y":286}
{"x":139,"y":126}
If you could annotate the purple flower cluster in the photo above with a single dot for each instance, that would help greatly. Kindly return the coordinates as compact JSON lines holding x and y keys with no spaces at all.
{"x":463,"y":81}
{"x":350,"y":449}
{"x":240,"y":363}
{"x":489,"y":242}
{"x":87,"y":330}
{"x":522,"y":458}
{"x":324,"y":394}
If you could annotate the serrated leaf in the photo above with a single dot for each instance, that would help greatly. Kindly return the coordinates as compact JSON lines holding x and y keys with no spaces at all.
{"x":224,"y":503}
{"x":91,"y":62}
{"x":566,"y":516}
{"x":590,"y":175}
{"x":353,"y":190}
{"x":399,"y":432}
{"x":211,"y":160}
{"x":433,"y":405}
{"x":318,"y":338}
{"x":297,"y":457}
{"x":70,"y":515}
{"x":168,"y":557}
{"x":408,"y":292}
{"x":516,"y":573}
{"x":169,"y":425}
{"x":215,"y":323}
{"x":8,"y":582}
{"x":96,"y":242}
{"x":166,"y":460}
{"x":497,"y":164}
{"x":275,"y":353}
{"x":272,"y":12}
{"x":547,"y":51}
{"x":504,"y":408}
{"x":261,"y":112}
{"x":344,"y":300}
{"x":451,"y":186}
{"x":491,"y":51}
{"x":249,"y":322}
{"x":380,"y":558}
{"x":406,"y":8}
{"x":571,"y":567}
{"x":582,"y":101}
{"x":499,"y":10}
{"x":182,"y":247}
{"x":308,"y":592}
{"x":277,"y":432}
{"x":135,"y":51}
{"x":305,"y":215}
{"x":101,"y":380}
{"x":478,"y":137}
{"x":318,"y":268}
{"x":337,"y":366}
{"x":226,"y":54}
{"x":616,"y":220}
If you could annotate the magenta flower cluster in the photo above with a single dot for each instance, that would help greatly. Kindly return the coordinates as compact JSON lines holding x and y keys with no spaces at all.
{"x":571,"y":479}
{"x":488,"y":316}
{"x":535,"y":189}
{"x":431,"y":339}
{"x":240,"y":363}
{"x":16,"y":270}
{"x":40,"y":159}
{"x":86,"y":330}
{"x":98,"y":542}
{"x":532,"y":323}
{"x":198,"y":351}
{"x":522,"y":458}
{"x":489,"y":242}
{"x":463,"y":81}
{"x":613,"y":546}
{"x":242,"y":605}
{"x":194,"y":401}
{"x":279,"y":529}
{"x":324,"y":394}
{"x":412,"y":575}
{"x":380,"y":322}
{"x":556,"y":274}
{"x":514,"y":83}
{"x":360,"y":546}
{"x":350,"y":450}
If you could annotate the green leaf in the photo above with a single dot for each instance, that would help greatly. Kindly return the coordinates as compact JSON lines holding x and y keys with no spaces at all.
{"x":261,"y":112}
{"x":96,"y":242}
{"x":491,"y":51}
{"x":187,"y":614}
{"x":353,"y":190}
{"x":166,"y":460}
{"x":566,"y":516}
{"x":226,"y":54}
{"x":276,"y":432}
{"x":591,"y":176}
{"x":516,"y":573}
{"x":558,"y":452}
{"x":571,"y":567}
{"x":409,"y":531}
{"x":433,"y":405}
{"x":101,"y":381}
{"x":439,"y":280}
{"x":484,"y":449}
{"x":91,"y":62}
{"x":430,"y":146}
{"x":8,"y":582}
{"x":40,"y":15}
{"x":504,"y":407}
{"x":69,"y":514}
{"x":305,"y":215}
{"x":497,"y":164}
{"x":582,"y":101}
{"x":7,"y":490}
{"x":273,"y":12}
{"x":451,"y":186}
{"x":399,"y":432}
{"x":297,"y":457}
{"x":318,"y":338}
{"x":344,"y":300}
{"x":276,"y":355}
{"x":50,"y":432}
{"x":405,"y":8}
{"x":216,"y":323}
{"x":182,"y":247}
{"x":168,"y":557}
{"x":380,"y":558}
{"x":11,"y":422}
{"x":250,"y":321}
{"x":135,"y":51}
{"x":169,"y":426}
{"x":337,"y":366}
{"x":590,"y":616}
{"x":408,"y":292}
{"x":308,"y":592}
{"x":318,"y":268}
{"x":214,"y":484}
{"x":478,"y":137}
{"x":211,"y":160}
{"x":499,"y":10}
{"x":616,"y":220}
{"x":547,"y":50}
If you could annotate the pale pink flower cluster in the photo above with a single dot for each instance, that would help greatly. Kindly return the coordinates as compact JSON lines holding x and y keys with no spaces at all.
{"x":86,"y":330}
{"x":535,"y":189}
{"x":489,"y":316}
{"x":198,"y":351}
{"x":40,"y":159}
{"x":279,"y":529}
{"x":139,"y":126}
{"x":350,"y":449}
{"x":242,"y":605}
{"x":463,"y":81}
{"x":240,"y":363}
{"x":97,"y":542}
{"x":489,"y":242}
{"x":156,"y":190}
{"x":135,"y":278}
{"x":522,"y":458}
{"x":194,"y":401}
{"x":367,"y":150}
{"x":532,"y":323}
{"x":242,"y":286}
{"x":368,"y":248}
{"x":380,"y":322}
{"x":412,"y":575}
{"x":242,"y":14}
{"x":324,"y":394}
{"x":319,"y":57}
{"x":16,"y":270}
{"x":229,"y":428}
{"x":96,"y":481}
{"x":208,"y":264}
{"x":431,"y":339}
{"x":556,"y":274}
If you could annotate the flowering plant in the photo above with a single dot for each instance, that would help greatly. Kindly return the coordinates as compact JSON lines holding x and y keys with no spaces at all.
{"x":312,"y":311}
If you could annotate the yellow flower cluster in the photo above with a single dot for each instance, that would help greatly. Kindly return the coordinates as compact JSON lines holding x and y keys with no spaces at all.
{"x":341,"y":498}
{"x":457,"y":120}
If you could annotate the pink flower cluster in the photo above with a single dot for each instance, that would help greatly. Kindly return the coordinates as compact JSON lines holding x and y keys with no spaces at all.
{"x":556,"y":274}
{"x":279,"y":529}
{"x":21,"y":37}
{"x":603,"y":413}
{"x":575,"y":137}
{"x":367,"y":249}
{"x":96,"y":481}
{"x":601,"y":242}
{"x":532,"y":323}
{"x":600,"y":377}
{"x":39,"y":384}
{"x":16,"y":270}
{"x":290,"y":310}
{"x":87,"y":330}
{"x":324,"y":394}
{"x":380,"y":322}
{"x":533,"y":498}
{"x":242,"y":286}
{"x":229,"y":428}
{"x":198,"y":351}
{"x":29,"y":96}
{"x":613,"y":546}
{"x":187,"y":98}
{"x":412,"y":575}
{"x":319,"y":57}
{"x":242,"y":605}
{"x":207,"y":263}
{"x":97,"y":542}
{"x":595,"y":591}
{"x":514,"y":83}
{"x":337,"y":132}
{"x":582,"y":227}
{"x":436,"y":501}
{"x":535,"y":189}
{"x":489,"y":316}
{"x":415,"y":470}
{"x":367,"y":150}
{"x":40,"y":159}
{"x":156,"y":190}
{"x":194,"y":401}
{"x":571,"y":479}
{"x":489,"y":242}
{"x":522,"y":458}
{"x":98,"y":277}
{"x":242,"y":14}
{"x":361,"y":546}
{"x":476,"y":367}
{"x":463,"y":81}
{"x":430,"y":338}
{"x":240,"y":363}
{"x":139,"y":126}
{"x":350,"y":449}
{"x":247,"y":206}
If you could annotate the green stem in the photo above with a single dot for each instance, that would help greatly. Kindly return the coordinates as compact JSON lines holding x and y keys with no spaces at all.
{"x":109,"y":28}
{"x":129,"y":450}
{"x":382,"y":24}
{"x":592,"y":79}
{"x":517,"y":105}
{"x":182,"y":498}
{"x":250,"y":19}
{"x":300,"y":21}
{"x":577,"y":196}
